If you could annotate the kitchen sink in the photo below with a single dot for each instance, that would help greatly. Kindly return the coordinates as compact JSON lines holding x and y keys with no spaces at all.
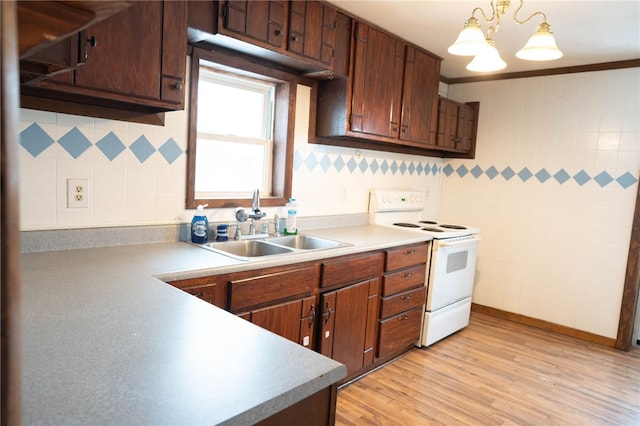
{"x":304,"y":242}
{"x":271,"y":246}
{"x":247,"y":249}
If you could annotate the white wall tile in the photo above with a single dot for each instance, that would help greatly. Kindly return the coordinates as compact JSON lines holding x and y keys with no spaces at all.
{"x":549,"y":250}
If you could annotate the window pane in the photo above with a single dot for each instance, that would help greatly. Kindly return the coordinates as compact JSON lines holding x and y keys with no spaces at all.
{"x":228,"y":106}
{"x":229,"y":167}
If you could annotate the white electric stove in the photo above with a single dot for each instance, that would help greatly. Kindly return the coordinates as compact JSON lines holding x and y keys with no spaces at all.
{"x":451,"y":266}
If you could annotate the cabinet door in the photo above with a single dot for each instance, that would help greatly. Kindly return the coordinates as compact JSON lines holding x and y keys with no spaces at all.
{"x":420,"y":98}
{"x":282,"y":319}
{"x":174,"y":24}
{"x":447,"y":123}
{"x":377,"y":83}
{"x":128,"y":46}
{"x":348,"y":308}
{"x":308,"y":322}
{"x":261,"y":21}
{"x":466,"y":128}
{"x":312,"y":28}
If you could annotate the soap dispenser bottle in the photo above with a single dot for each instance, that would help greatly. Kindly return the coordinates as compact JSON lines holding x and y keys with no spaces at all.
{"x":200,"y":226}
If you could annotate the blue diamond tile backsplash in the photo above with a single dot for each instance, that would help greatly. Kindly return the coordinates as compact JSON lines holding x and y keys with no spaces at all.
{"x":35,"y":140}
{"x":560,"y":176}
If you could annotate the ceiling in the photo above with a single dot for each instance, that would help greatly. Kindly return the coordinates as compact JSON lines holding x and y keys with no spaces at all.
{"x":587,"y":32}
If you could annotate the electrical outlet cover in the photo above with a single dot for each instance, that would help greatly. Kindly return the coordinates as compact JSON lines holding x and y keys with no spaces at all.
{"x":77,"y":193}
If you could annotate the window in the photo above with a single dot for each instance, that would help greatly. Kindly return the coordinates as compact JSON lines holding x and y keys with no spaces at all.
{"x":235,"y":121}
{"x":240,"y":131}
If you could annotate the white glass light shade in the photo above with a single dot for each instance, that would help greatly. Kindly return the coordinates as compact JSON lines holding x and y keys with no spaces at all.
{"x":541,"y":46}
{"x":469,"y":41}
{"x":488,"y":59}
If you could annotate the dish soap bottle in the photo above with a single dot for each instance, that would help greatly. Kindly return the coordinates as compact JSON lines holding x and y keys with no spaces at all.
{"x":200,"y":226}
{"x":291,"y":228}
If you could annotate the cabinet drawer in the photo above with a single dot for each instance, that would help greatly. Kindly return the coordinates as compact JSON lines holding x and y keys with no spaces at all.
{"x":211,"y":289}
{"x":406,"y":256}
{"x":402,"y":302}
{"x":399,"y":331}
{"x":255,"y":291}
{"x":406,"y":279}
{"x":349,"y":269}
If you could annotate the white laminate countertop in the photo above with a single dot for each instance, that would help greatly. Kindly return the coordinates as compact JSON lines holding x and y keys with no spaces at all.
{"x":107,"y":342}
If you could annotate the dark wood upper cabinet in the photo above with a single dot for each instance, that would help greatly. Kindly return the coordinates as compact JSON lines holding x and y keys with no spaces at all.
{"x":420,"y":98}
{"x":377,"y":86}
{"x":389,"y":100}
{"x":309,"y":37}
{"x":259,"y":21}
{"x":457,"y":126}
{"x":135,"y":61}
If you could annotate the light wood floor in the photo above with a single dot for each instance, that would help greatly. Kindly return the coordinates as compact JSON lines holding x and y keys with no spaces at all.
{"x":496,"y":372}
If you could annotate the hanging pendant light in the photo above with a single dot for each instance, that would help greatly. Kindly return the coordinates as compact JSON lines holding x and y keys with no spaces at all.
{"x":541,"y":46}
{"x":471,"y":41}
{"x":488,"y":59}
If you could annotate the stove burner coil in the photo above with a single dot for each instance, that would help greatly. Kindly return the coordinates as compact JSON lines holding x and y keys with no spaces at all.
{"x":432,"y":229}
{"x":453,"y":226}
{"x":406,"y":225}
{"x":429,"y":222}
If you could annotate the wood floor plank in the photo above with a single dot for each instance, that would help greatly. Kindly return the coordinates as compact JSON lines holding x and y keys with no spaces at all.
{"x":498,"y":372}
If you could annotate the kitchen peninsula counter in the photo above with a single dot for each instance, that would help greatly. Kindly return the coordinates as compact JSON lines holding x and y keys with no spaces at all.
{"x":106,"y":341}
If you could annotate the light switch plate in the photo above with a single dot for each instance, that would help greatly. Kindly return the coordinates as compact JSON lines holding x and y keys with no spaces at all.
{"x":77,"y":193}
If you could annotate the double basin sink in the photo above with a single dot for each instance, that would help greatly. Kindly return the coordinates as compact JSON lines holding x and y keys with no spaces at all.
{"x":271,"y":246}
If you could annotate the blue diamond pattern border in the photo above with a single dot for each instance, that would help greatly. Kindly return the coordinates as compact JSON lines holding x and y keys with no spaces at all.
{"x":35,"y":140}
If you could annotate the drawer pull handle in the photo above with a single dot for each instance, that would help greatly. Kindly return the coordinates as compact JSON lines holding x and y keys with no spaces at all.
{"x":405,"y":297}
{"x":328,"y":313}
{"x":409,"y":252}
{"x":200,"y":294}
{"x":407,"y":275}
{"x":403,"y":318}
{"x":313,"y":316}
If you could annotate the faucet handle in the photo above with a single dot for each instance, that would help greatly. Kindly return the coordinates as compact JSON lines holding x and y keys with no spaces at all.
{"x":238,"y":233}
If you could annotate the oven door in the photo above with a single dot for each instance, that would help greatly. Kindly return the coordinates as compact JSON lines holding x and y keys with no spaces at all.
{"x":452,"y":271}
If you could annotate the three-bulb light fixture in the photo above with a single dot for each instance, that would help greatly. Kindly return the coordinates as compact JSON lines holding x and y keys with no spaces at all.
{"x":472,"y":42}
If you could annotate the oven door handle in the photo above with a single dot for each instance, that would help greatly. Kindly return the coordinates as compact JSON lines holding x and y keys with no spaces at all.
{"x":446,"y":243}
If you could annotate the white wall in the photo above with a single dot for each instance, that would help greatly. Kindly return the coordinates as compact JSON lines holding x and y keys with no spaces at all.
{"x":553,"y":249}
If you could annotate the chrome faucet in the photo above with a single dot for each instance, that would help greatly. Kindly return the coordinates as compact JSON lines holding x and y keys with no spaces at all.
{"x":256,"y":213}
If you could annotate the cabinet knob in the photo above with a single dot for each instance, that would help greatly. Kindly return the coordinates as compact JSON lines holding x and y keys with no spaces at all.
{"x":177,"y":86}
{"x":403,"y":318}
{"x":279,"y":32}
{"x":295,"y":38}
{"x":93,"y":42}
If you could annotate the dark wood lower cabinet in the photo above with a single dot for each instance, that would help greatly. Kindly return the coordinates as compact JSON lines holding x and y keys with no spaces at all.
{"x":348,"y":322}
{"x":292,"y":320}
{"x":317,"y":410}
{"x":347,"y":308}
